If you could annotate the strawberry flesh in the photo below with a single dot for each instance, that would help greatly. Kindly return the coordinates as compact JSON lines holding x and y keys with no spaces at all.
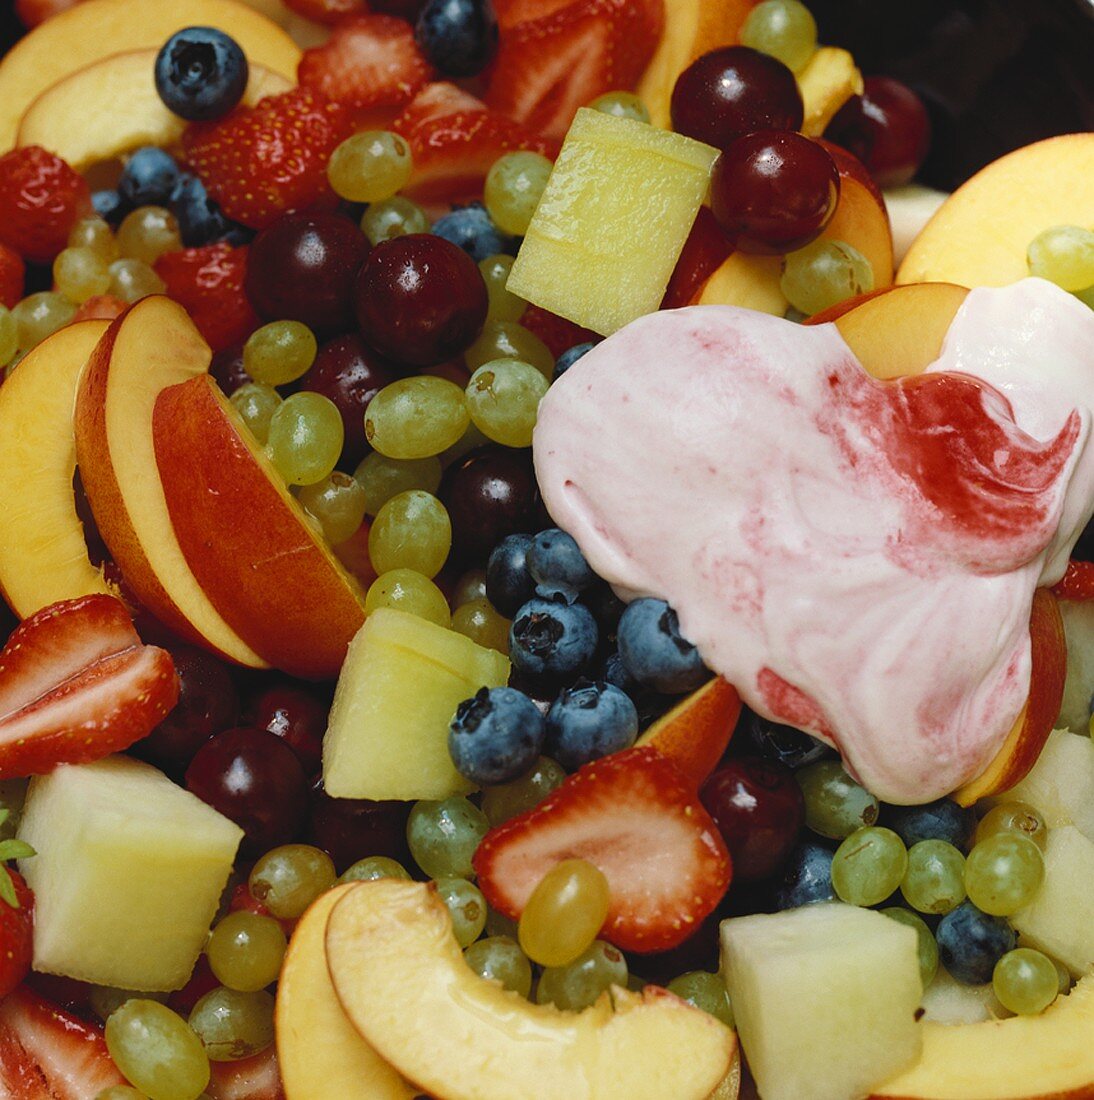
{"x":1077,"y":583}
{"x":16,"y":933}
{"x":254,"y":1078}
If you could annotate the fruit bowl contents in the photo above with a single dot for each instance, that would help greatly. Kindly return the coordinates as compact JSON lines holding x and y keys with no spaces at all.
{"x":536,"y":559}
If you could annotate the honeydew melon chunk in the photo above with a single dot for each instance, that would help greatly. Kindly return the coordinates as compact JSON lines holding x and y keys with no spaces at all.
{"x":612,"y":221}
{"x":824,"y":997}
{"x":129,"y":872}
{"x":402,"y":680}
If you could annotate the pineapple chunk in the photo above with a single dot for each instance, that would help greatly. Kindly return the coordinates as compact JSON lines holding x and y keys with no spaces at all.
{"x":1060,"y":919}
{"x":129,"y":872}
{"x":399,"y":688}
{"x":825,"y":999}
{"x":612,"y":221}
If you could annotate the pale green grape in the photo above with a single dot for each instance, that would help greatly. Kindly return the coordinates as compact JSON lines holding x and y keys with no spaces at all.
{"x":564,"y":913}
{"x":147,"y":233}
{"x":926,"y":944}
{"x":245,"y":951}
{"x":935,"y":879}
{"x":824,"y":273}
{"x":40,"y":315}
{"x":480,"y":621}
{"x":9,"y":335}
{"x":1014,"y":817}
{"x":288,"y":879}
{"x":337,"y":502}
{"x":466,"y":906}
{"x":506,"y":800}
{"x":95,"y":234}
{"x":256,"y":403}
{"x":869,"y":865}
{"x":305,"y":438}
{"x":706,"y":991}
{"x":156,"y":1051}
{"x":784,"y":29}
{"x":443,"y":836}
{"x":1025,"y":981}
{"x":416,"y":417}
{"x":80,"y":273}
{"x":621,"y":105}
{"x":279,"y":352}
{"x":383,"y":478}
{"x":1064,"y":255}
{"x":509,"y":340}
{"x":120,"y":1092}
{"x":233,"y":1025}
{"x":394,"y":217}
{"x":370,"y":166}
{"x":131,"y":280}
{"x":500,"y":959}
{"x":1003,"y":873}
{"x":504,"y":304}
{"x":470,"y":586}
{"x":106,"y":1000}
{"x":835,"y":805}
{"x":372,"y":868}
{"x":579,"y":984}
{"x":503,"y":398}
{"x":409,"y":591}
{"x":411,"y":531}
{"x":513,"y":188}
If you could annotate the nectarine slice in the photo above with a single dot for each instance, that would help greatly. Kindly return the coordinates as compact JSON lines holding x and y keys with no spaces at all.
{"x":862,"y":221}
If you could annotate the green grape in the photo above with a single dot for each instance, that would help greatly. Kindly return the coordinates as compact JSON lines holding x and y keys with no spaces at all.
{"x":80,"y":273}
{"x":935,"y":879}
{"x":706,"y":991}
{"x":509,"y":799}
{"x":131,"y":280}
{"x":869,"y":865}
{"x":824,"y":273}
{"x":305,"y":438}
{"x":9,"y":335}
{"x":394,"y":217}
{"x":784,"y":29}
{"x":1064,"y":255}
{"x":245,"y":951}
{"x":480,"y":621}
{"x":372,"y":868}
{"x":835,"y":805}
{"x":500,"y":959}
{"x":411,"y":531}
{"x":40,"y":315}
{"x":279,"y":352}
{"x":927,"y":945}
{"x":513,"y":188}
{"x":504,"y":304}
{"x":147,"y":233}
{"x":337,"y":502}
{"x":256,"y":403}
{"x":443,"y":836}
{"x":470,"y":441}
{"x":1013,"y":817}
{"x":1063,"y":977}
{"x":106,"y":1000}
{"x":498,"y":924}
{"x":564,"y":913}
{"x":95,"y":234}
{"x":416,"y":417}
{"x":470,"y":586}
{"x":370,"y":166}
{"x":621,"y":105}
{"x":503,"y":398}
{"x":156,"y":1051}
{"x":508,"y":340}
{"x":579,"y":984}
{"x":409,"y":591}
{"x":466,"y":906}
{"x":288,"y":879}
{"x":383,"y":478}
{"x":120,"y":1092}
{"x":1025,"y":981}
{"x":233,"y":1025}
{"x":1003,"y":873}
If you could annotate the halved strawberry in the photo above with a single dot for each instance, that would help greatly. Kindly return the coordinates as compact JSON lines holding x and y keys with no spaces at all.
{"x":76,"y":684}
{"x":511,"y":12}
{"x":556,"y":332}
{"x":634,"y":816}
{"x":13,"y":273}
{"x":41,"y":198}
{"x":255,"y":1078}
{"x":49,"y":1054}
{"x":16,"y":916}
{"x":1077,"y":583}
{"x":548,"y":67}
{"x":327,"y":11}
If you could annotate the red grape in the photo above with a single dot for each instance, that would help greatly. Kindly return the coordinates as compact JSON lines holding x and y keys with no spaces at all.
{"x":773,"y":191}
{"x":349,"y":829}
{"x":295,"y":715}
{"x":227,"y":369}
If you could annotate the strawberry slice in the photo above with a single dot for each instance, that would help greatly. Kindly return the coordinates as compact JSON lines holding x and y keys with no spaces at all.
{"x":633,"y":816}
{"x":1077,"y":583}
{"x":556,"y":332}
{"x":255,"y":1078}
{"x":76,"y":684}
{"x":511,"y":12}
{"x":49,"y":1054}
{"x":16,"y":916}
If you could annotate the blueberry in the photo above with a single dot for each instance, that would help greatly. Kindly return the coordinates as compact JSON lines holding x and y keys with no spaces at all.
{"x":615,"y":672}
{"x":807,"y":877}
{"x":496,"y":736}
{"x":783,"y":744}
{"x":201,"y":73}
{"x":200,"y":219}
{"x":149,"y":178}
{"x":459,"y":37}
{"x":470,"y":228}
{"x":509,"y":585}
{"x":970,"y":943}
{"x":606,"y":606}
{"x":569,"y":357}
{"x":588,"y":721}
{"x":941,"y":820}
{"x":554,"y":558}
{"x":109,"y":205}
{"x":552,"y":638}
{"x":654,"y":651}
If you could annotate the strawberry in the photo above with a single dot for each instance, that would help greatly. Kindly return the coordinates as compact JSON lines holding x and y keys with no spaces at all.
{"x":76,"y":684}
{"x":556,"y":332}
{"x":635,"y":817}
{"x":41,"y":198}
{"x":455,"y":139}
{"x":202,"y":980}
{"x":33,"y":12}
{"x":12,"y":276}
{"x":16,"y":916}
{"x":548,"y":67}
{"x":327,"y":11}
{"x":208,"y":282}
{"x":263,"y":161}
{"x":370,"y":61}
{"x":49,"y":1054}
{"x":254,"y":1078}
{"x":1077,"y":583}
{"x":511,"y":12}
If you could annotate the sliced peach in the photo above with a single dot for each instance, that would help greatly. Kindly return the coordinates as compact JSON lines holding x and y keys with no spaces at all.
{"x":862,"y":221}
{"x":751,"y":282}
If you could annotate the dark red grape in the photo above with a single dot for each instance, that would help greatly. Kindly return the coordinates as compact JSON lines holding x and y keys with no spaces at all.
{"x":295,"y":715}
{"x":227,"y":369}
{"x":732,"y":91}
{"x":420,"y":299}
{"x":887,"y":128}
{"x":773,"y":191}
{"x":349,"y":829}
{"x":759,"y":811}
{"x":302,"y":268}
{"x":256,"y":780}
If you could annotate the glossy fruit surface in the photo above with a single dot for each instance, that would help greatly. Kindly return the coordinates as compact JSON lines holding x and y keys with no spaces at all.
{"x":496,"y":736}
{"x":288,"y":879}
{"x":296,"y":715}
{"x":564,"y":913}
{"x":201,"y":73}
{"x":971,"y":942}
{"x":350,"y":829}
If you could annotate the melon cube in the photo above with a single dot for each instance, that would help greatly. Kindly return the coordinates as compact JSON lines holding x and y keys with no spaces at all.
{"x":128,"y":876}
{"x":825,"y":999}
{"x":399,"y":688}
{"x":612,"y":221}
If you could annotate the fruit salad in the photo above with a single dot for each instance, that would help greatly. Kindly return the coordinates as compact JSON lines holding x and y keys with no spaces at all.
{"x":538,"y":559}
